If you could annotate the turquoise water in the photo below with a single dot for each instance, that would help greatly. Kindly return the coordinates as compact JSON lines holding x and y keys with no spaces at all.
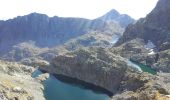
{"x":130,"y":63}
{"x":58,"y":90}
{"x":145,"y":68}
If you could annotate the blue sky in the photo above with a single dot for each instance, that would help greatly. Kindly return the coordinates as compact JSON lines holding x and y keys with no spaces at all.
{"x":75,"y":8}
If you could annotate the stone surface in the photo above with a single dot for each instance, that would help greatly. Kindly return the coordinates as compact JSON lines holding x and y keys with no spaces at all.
{"x":154,"y":88}
{"x":16,"y":83}
{"x":102,"y":68}
{"x":43,"y":77}
{"x":53,"y":31}
{"x":154,"y":27}
{"x":154,"y":30}
{"x":115,"y":16}
{"x":95,"y":65}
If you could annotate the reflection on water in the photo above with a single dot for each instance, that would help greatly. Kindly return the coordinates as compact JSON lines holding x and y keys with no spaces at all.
{"x":145,"y":68}
{"x":59,"y":90}
{"x":130,"y":63}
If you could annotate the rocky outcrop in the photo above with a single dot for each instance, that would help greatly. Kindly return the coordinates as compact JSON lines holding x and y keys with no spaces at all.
{"x":137,"y":51}
{"x":95,"y":65}
{"x":27,"y":51}
{"x":163,"y":62}
{"x":16,"y":82}
{"x":43,"y":77}
{"x":92,"y":39}
{"x":102,"y":68}
{"x":131,"y":48}
{"x":154,"y":31}
{"x":154,"y":88}
{"x":154,"y":27}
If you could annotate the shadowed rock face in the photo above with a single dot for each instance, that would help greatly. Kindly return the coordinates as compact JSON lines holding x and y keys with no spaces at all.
{"x":45,"y":31}
{"x":154,"y":27}
{"x":96,"y":66}
{"x":37,"y":35}
{"x":102,"y":68}
{"x":48,"y":31}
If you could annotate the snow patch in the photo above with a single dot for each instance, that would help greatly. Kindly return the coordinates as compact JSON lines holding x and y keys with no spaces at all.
{"x":150,"y":45}
{"x":151,"y":52}
{"x":115,"y":38}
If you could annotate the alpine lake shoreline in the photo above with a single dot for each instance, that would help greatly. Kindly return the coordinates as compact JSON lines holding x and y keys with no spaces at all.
{"x":85,"y":85}
{"x":97,"y":90}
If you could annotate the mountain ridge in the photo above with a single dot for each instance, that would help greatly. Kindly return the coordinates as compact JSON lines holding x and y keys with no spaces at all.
{"x":154,"y":27}
{"x":49,"y":31}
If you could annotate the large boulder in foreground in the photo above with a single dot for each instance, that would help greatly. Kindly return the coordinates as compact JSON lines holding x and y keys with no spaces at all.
{"x":154,"y":88}
{"x":102,"y":68}
{"x":96,"y":66}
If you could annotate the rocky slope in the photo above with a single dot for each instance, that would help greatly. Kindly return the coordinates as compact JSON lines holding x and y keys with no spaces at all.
{"x":154,"y":88}
{"x":154,"y":27}
{"x":136,"y":50}
{"x":29,"y":49}
{"x":16,"y":82}
{"x":153,"y":33}
{"x":94,"y":66}
{"x":52,"y":31}
{"x":39,"y":36}
{"x":102,"y":68}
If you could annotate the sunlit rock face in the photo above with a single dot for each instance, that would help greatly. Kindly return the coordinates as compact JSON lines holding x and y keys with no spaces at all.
{"x":37,"y":35}
{"x":96,"y":66}
{"x":102,"y":68}
{"x":16,"y":82}
{"x":45,"y":31}
{"x":114,"y":16}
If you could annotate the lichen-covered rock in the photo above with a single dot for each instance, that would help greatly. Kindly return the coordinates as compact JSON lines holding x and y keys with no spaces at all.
{"x":95,"y":65}
{"x":102,"y":68}
{"x":163,"y":62}
{"x":154,"y":28}
{"x":153,"y":88}
{"x":137,"y":51}
{"x":43,"y":77}
{"x":16,"y":83}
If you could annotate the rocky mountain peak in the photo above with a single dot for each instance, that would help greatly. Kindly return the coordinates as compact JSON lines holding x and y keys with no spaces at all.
{"x":115,"y":16}
{"x":50,"y":31}
{"x":111,"y":15}
{"x":154,"y":27}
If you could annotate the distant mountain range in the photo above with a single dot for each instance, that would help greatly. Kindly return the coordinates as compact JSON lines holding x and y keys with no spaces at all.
{"x":52,"y":31}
